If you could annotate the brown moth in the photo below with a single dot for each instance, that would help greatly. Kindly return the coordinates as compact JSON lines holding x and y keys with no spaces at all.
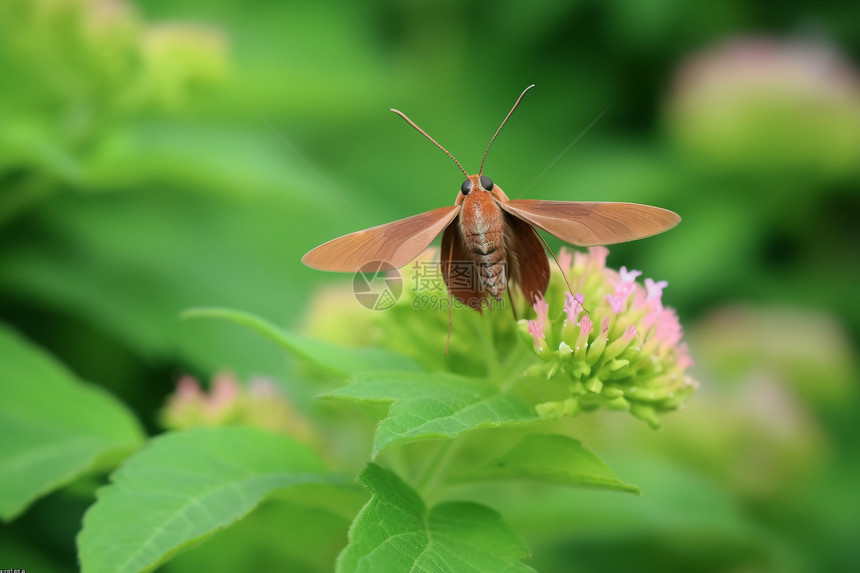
{"x":491,"y":233}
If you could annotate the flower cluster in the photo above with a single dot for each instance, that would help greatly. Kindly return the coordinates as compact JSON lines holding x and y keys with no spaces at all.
{"x":758,"y":104}
{"x":613,"y":341}
{"x":260,"y":403}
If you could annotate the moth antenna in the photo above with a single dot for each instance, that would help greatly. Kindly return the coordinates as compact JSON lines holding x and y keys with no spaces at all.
{"x":563,"y":274}
{"x":424,"y":133}
{"x":492,"y":139}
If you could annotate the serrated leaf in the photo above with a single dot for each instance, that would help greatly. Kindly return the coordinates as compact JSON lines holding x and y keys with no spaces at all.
{"x":329,"y":357}
{"x":54,"y":427}
{"x":185,"y":486}
{"x":550,"y":458}
{"x":433,"y":405}
{"x":396,"y":532}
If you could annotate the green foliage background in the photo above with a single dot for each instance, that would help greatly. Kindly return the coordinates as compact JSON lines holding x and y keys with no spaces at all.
{"x":167,"y":155}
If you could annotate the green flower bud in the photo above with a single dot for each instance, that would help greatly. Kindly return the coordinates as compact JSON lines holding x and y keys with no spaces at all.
{"x":634,"y":360}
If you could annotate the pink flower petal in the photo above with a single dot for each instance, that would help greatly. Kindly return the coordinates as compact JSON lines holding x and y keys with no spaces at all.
{"x":565,"y":259}
{"x":625,"y":283}
{"x":585,"y":327}
{"x":536,"y":330}
{"x":629,"y":333}
{"x":573,"y":306}
{"x":617,"y":303}
{"x":541,"y":307}
{"x":655,"y":289}
{"x":684,"y":359}
{"x":188,"y":389}
{"x":668,"y":328}
{"x":225,"y":390}
{"x":628,"y":276}
{"x":598,"y":255}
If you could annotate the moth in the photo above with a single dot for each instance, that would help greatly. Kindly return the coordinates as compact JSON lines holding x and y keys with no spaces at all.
{"x":493,"y":235}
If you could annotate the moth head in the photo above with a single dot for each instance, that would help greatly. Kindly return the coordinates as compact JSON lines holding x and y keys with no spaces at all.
{"x":466,"y":187}
{"x":486,"y":183}
{"x":474,"y":182}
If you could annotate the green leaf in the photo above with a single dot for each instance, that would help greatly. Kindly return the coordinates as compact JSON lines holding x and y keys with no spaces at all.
{"x":550,"y":458}
{"x":54,"y":427}
{"x":433,"y":405}
{"x":679,"y":504}
{"x":334,"y":359}
{"x":396,"y":532}
{"x":185,"y":486}
{"x":301,"y":528}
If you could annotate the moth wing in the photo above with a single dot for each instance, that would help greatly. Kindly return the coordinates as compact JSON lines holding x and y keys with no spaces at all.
{"x":593,"y":223}
{"x":458,"y":269}
{"x":527,"y":264}
{"x":394,"y":243}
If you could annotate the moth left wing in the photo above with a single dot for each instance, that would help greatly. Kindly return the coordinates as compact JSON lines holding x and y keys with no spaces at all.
{"x":394,"y":244}
{"x":592,"y":223}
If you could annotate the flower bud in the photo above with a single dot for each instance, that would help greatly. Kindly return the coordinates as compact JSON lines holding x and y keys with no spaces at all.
{"x":618,"y":346}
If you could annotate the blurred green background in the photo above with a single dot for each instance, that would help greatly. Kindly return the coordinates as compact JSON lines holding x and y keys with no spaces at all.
{"x":160,"y":156}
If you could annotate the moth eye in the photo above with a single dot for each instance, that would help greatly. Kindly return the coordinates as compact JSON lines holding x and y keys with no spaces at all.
{"x":466,"y":187}
{"x":486,"y":183}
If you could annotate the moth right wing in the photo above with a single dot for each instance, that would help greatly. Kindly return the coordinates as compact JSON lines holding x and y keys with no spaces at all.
{"x":394,"y":243}
{"x":587,"y":224}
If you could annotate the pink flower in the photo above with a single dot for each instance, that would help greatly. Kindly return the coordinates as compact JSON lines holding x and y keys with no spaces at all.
{"x":684,"y":359}
{"x":629,"y":333}
{"x":668,"y":328}
{"x":655,"y":289}
{"x":617,"y":303}
{"x":573,"y":306}
{"x":628,"y":276}
{"x":541,"y":307}
{"x":565,"y":259}
{"x":536,"y":330}
{"x":655,"y":292}
{"x":260,"y":403}
{"x":636,"y":361}
{"x":188,"y":389}
{"x":598,"y":255}
{"x":223,"y":394}
{"x":625,"y":285}
{"x":585,"y":326}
